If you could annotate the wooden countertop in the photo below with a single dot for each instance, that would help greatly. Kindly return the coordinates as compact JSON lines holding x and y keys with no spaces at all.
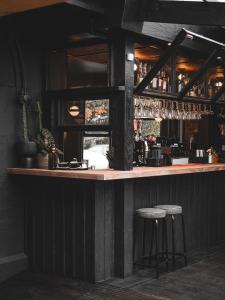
{"x":110,"y":174}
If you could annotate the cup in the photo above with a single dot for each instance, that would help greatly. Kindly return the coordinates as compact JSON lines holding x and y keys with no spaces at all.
{"x":197,"y":153}
{"x":201,"y":153}
{"x":84,"y":163}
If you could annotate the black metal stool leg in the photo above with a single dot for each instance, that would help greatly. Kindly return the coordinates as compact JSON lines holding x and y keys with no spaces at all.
{"x":151,"y":243}
{"x":143,"y":241}
{"x":184,"y":240}
{"x":134,"y":238}
{"x":163,"y":240}
{"x":166,"y":244}
{"x":173,"y":243}
{"x":156,"y":248}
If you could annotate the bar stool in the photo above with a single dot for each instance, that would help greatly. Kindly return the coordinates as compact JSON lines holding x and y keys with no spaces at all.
{"x":171,"y":212}
{"x":154,"y":215}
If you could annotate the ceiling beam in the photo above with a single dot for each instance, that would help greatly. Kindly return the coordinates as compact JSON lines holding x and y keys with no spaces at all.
{"x":167,"y":32}
{"x":93,"y":5}
{"x":121,"y":14}
{"x":182,"y":12}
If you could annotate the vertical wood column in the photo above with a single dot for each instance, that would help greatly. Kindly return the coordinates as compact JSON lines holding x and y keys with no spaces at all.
{"x":124,"y":212}
{"x":121,"y":116}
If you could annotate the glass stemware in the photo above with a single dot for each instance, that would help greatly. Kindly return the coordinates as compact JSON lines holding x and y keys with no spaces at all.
{"x":148,"y":107}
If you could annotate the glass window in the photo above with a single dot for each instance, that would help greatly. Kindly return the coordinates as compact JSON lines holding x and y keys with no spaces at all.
{"x":87,"y":66}
{"x":150,"y":127}
{"x":94,"y":149}
{"x":86,"y":112}
{"x":97,"y":112}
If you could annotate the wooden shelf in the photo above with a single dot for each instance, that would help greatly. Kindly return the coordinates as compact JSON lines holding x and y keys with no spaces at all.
{"x":173,"y":96}
{"x":97,"y":127}
{"x":86,"y":92}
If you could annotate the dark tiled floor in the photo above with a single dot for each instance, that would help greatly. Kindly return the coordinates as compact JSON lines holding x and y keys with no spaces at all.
{"x":204,"y":278}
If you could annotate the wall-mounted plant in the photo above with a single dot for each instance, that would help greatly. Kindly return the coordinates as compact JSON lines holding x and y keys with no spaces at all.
{"x":44,"y":141}
{"x":27,"y":147}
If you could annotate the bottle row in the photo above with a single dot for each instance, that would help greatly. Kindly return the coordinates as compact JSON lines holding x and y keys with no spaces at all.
{"x":162,"y":81}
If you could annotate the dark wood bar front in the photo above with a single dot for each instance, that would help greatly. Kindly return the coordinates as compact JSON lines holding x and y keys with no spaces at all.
{"x":84,"y":228}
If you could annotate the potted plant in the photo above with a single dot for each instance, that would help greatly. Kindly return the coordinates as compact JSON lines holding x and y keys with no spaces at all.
{"x":27,"y":147}
{"x":44,"y":141}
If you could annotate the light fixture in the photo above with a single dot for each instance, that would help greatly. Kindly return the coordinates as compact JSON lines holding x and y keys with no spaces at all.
{"x":189,"y":36}
{"x":218,"y":84}
{"x":74,"y":110}
{"x":158,"y":119}
{"x":180,"y":76}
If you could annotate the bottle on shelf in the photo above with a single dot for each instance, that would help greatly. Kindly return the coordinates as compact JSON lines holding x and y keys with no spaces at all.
{"x":139,"y":72}
{"x":165,"y":82}
{"x":144,"y":71}
{"x":210,"y":88}
{"x":149,"y":66}
{"x":52,"y":158}
{"x":180,"y":82}
{"x":159,"y":81}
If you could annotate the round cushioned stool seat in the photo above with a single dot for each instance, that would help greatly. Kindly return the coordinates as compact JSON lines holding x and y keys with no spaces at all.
{"x":151,"y":213}
{"x":170,"y":209}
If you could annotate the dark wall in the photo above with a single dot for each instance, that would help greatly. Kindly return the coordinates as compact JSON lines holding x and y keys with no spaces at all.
{"x":12,"y":257}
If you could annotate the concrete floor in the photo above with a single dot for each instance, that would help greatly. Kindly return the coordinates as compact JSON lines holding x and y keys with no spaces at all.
{"x":203,"y":278}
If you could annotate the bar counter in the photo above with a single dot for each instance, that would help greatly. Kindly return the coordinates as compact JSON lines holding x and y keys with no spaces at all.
{"x":110,"y":174}
{"x":80,"y":223}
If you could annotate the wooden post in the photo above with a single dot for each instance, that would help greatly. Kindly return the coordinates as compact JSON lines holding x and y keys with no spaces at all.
{"x":121,"y":116}
{"x":124,"y":214}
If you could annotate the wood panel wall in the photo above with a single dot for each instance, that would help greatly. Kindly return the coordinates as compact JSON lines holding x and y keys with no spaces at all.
{"x":84,"y":229}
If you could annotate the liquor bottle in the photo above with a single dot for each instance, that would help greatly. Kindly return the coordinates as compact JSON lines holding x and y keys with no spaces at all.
{"x":210,"y":89}
{"x":149,"y":66}
{"x":165,"y":82}
{"x":198,"y":89}
{"x":180,"y":82}
{"x":155,"y":82}
{"x":160,"y":80}
{"x":192,"y":92}
{"x":140,"y":72}
{"x":144,"y":71}
{"x":52,"y":158}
